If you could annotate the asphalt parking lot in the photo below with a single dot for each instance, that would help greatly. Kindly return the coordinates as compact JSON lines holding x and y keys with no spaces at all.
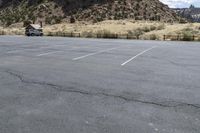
{"x":70,"y":85}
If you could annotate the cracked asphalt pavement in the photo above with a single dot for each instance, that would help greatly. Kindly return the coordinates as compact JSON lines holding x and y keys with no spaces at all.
{"x":73,"y":85}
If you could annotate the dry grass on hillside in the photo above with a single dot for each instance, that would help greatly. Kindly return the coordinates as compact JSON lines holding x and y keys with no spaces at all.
{"x":146,"y":30}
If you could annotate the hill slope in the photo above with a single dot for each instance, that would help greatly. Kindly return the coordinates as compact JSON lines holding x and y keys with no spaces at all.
{"x":55,"y":11}
{"x":192,"y":13}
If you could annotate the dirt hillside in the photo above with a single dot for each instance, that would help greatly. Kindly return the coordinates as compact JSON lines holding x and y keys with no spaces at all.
{"x":56,"y":11}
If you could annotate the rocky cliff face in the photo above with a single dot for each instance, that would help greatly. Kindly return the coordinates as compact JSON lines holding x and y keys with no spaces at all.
{"x":192,"y":13}
{"x":5,"y":3}
{"x":55,"y":11}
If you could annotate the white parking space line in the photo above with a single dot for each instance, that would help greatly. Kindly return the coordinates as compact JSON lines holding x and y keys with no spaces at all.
{"x":138,"y":55}
{"x":48,"y":53}
{"x":95,"y":53}
{"x":67,"y":46}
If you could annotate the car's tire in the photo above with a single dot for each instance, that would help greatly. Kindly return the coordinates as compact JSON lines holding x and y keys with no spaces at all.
{"x":32,"y":34}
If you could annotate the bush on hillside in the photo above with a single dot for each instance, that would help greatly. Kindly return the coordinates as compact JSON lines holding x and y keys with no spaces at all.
{"x":72,"y":19}
{"x":26,"y":23}
{"x":153,"y":37}
{"x":187,"y":36}
{"x":161,"y":27}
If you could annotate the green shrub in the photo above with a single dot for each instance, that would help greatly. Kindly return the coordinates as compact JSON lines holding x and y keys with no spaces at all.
{"x":26,"y":23}
{"x":57,"y":19}
{"x":161,"y":27}
{"x":53,"y":20}
{"x":187,"y":36}
{"x":138,"y":32}
{"x":182,"y":21}
{"x":152,"y":27}
{"x":146,"y":29}
{"x":106,"y":34}
{"x":48,"y":20}
{"x":198,"y":39}
{"x":72,"y":19}
{"x":153,"y":37}
{"x":87,"y":34}
{"x":99,"y":19}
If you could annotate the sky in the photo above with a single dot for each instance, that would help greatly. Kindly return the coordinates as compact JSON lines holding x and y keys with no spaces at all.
{"x":181,"y":3}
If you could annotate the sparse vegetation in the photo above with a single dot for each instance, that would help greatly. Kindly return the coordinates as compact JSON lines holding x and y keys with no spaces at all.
{"x":53,"y":20}
{"x":54,"y":11}
{"x":72,"y":19}
{"x":88,"y":34}
{"x":106,"y":34}
{"x":153,"y":37}
{"x":187,"y":36}
{"x":25,"y":11}
{"x":131,"y":29}
{"x":161,"y":27}
{"x":136,"y":32}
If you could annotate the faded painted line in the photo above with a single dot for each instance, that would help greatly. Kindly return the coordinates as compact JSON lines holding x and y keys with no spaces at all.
{"x":95,"y":53}
{"x":15,"y":51}
{"x":138,"y":55}
{"x":78,"y":47}
{"x":48,"y":53}
{"x":55,"y":46}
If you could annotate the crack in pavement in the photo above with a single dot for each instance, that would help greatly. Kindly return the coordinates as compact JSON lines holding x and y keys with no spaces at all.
{"x":167,"y":104}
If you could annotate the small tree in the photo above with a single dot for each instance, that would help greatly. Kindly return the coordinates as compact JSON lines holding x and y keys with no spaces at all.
{"x":26,"y":23}
{"x":72,"y":19}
